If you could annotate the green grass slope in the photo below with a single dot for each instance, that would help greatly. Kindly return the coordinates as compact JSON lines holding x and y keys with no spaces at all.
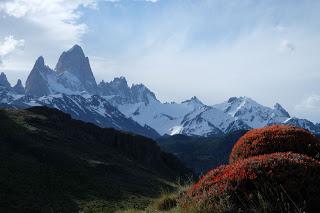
{"x":52,"y":163}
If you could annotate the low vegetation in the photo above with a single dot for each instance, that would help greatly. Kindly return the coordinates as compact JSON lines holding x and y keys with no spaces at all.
{"x":280,"y":174}
{"x":277,"y":138}
{"x":245,"y":183}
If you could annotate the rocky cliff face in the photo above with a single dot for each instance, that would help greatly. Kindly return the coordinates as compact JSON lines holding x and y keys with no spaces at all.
{"x":74,"y":66}
{"x":118,"y":87}
{"x":72,"y":75}
{"x":18,"y":88}
{"x":37,"y":81}
{"x":123,"y":94}
{"x":281,"y":111}
{"x":4,"y":83}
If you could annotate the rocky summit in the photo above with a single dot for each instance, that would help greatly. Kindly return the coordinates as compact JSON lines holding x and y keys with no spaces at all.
{"x":74,"y":71}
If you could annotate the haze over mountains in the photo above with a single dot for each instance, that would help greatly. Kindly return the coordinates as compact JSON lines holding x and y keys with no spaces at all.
{"x":71,"y":87}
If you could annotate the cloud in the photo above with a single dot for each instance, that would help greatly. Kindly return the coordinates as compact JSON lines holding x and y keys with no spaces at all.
{"x":310,"y":103}
{"x":153,"y":1}
{"x":309,"y":107}
{"x":287,"y":46}
{"x":58,"y":18}
{"x":47,"y":27}
{"x":8,"y":46}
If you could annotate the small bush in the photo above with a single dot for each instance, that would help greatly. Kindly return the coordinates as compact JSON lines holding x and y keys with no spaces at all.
{"x":280,"y":181}
{"x":166,"y":204}
{"x":275,"y":139}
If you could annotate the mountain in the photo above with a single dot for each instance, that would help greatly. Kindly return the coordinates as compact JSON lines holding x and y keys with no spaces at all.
{"x":18,"y":88}
{"x":253,"y":114}
{"x":72,"y":75}
{"x":37,"y":83}
{"x":4,"y":83}
{"x":74,"y":71}
{"x":118,"y":92}
{"x":281,"y":110}
{"x":85,"y":107}
{"x":53,"y":163}
{"x":304,"y":123}
{"x":71,"y":87}
{"x":193,"y":118}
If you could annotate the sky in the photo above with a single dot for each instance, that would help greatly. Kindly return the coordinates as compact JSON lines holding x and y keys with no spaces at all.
{"x":214,"y":49}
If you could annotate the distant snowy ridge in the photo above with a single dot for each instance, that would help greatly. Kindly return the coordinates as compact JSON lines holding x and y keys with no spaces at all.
{"x":72,"y":88}
{"x":192,"y":117}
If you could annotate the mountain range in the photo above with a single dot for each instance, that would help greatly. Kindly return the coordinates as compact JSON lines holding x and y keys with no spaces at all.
{"x":71,"y":87}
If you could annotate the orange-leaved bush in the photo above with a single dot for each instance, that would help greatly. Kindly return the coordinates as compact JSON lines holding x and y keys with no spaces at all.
{"x":277,"y":138}
{"x":295,"y":176}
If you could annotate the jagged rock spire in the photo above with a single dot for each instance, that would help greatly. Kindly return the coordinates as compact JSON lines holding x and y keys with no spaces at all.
{"x":281,"y":110}
{"x":119,"y":87}
{"x":76,"y":63}
{"x":4,"y":81}
{"x":18,"y":88}
{"x":36,"y":84}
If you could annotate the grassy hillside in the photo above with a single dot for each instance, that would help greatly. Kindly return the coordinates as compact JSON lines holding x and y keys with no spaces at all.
{"x":52,"y":163}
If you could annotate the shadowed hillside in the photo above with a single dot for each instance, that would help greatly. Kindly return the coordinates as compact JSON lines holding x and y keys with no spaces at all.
{"x":52,"y":163}
{"x":200,"y":153}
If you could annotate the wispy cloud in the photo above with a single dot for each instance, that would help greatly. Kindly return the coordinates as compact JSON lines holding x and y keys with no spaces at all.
{"x":47,"y":27}
{"x":310,"y":107}
{"x":58,"y":18}
{"x":9,"y":45}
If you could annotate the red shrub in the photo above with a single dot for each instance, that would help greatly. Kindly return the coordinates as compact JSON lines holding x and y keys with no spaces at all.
{"x":275,"y":139}
{"x":297,"y":176}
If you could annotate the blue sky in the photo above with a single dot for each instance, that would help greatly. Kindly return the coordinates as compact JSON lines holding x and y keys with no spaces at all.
{"x":265,"y":49}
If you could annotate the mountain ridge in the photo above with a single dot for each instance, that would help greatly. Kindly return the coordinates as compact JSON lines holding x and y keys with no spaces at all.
{"x":71,"y":87}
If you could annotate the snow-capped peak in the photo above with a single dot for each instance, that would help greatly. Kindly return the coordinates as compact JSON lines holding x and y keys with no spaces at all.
{"x":236,"y":105}
{"x":244,"y":100}
{"x":119,"y":92}
{"x":303,"y":123}
{"x":252,"y":113}
{"x":193,"y":101}
{"x":141,"y":93}
{"x":73,"y":77}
